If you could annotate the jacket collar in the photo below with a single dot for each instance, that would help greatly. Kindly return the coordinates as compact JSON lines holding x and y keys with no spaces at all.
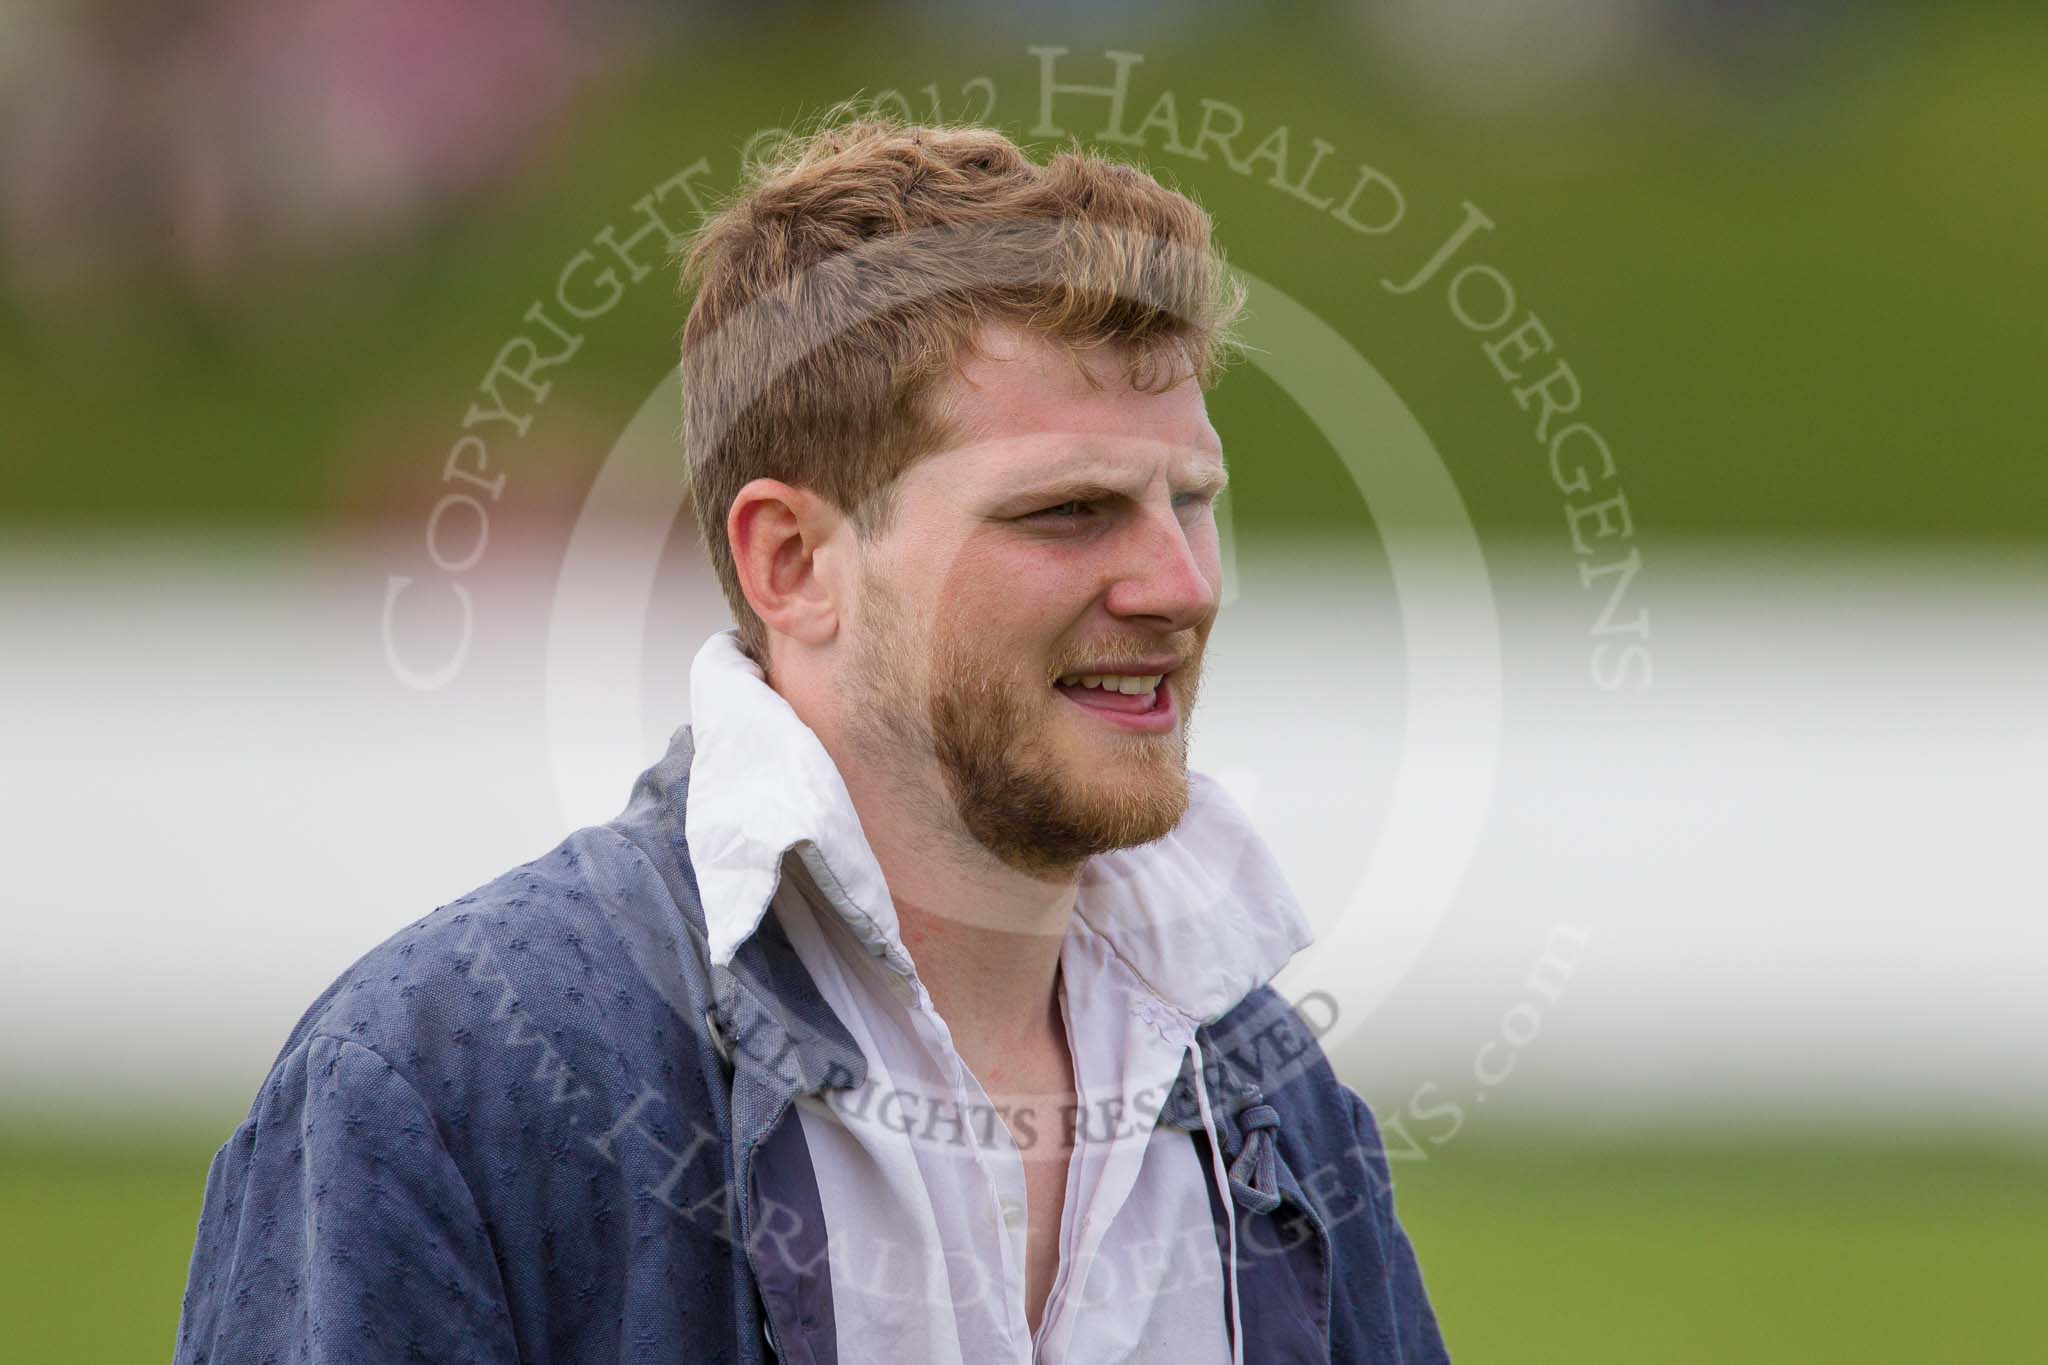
{"x":1203,"y":916}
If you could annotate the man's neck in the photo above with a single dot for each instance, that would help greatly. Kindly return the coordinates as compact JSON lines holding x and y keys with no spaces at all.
{"x":985,"y":937}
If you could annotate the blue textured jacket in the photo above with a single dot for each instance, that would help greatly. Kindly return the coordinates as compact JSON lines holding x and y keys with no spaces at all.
{"x":537,"y":1126}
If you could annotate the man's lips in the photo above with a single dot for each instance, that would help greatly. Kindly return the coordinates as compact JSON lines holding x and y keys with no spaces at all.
{"x":1129,"y":704}
{"x":1148,"y":712}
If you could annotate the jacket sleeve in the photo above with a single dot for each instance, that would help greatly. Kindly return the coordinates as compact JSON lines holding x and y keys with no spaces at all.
{"x":337,"y":1228}
{"x":1415,"y":1327}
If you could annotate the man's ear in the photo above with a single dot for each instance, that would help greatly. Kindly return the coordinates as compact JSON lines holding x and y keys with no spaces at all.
{"x":782,"y":538}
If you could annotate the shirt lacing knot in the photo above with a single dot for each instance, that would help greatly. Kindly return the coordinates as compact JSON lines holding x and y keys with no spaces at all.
{"x":1253,"y":1180}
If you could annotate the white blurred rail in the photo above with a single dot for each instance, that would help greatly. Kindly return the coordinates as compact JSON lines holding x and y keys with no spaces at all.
{"x":1801,"y":873}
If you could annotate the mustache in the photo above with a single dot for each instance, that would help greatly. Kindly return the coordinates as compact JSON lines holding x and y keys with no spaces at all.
{"x":1110,"y":658}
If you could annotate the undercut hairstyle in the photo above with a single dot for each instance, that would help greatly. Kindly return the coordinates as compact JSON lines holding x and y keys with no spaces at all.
{"x":862,"y":262}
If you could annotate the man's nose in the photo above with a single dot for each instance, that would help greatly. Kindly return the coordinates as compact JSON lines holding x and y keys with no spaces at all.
{"x":1165,"y":571}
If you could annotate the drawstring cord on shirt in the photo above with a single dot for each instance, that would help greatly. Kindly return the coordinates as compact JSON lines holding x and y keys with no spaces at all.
{"x":1252,"y":1180}
{"x":1224,"y":1183}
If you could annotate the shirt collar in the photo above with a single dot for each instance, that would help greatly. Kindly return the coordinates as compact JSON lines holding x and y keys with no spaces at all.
{"x":1203,"y":916}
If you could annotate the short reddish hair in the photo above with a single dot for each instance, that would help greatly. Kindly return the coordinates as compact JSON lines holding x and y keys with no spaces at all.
{"x":860,"y":262}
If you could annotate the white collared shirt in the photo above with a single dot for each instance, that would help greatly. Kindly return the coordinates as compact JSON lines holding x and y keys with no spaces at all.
{"x":920,"y":1179}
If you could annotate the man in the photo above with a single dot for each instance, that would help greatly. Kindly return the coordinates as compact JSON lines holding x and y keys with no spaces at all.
{"x":915,"y":1009}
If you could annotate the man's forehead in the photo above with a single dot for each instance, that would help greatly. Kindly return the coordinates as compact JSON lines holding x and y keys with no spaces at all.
{"x":1015,"y":384}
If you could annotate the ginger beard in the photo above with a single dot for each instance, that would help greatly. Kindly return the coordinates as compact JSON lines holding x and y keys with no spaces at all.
{"x":1039,"y":785}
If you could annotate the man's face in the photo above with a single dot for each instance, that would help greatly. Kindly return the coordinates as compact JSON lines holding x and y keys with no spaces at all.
{"x":1070,"y":534}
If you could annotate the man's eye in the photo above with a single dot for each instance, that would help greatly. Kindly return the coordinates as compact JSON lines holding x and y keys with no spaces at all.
{"x":1061,"y":511}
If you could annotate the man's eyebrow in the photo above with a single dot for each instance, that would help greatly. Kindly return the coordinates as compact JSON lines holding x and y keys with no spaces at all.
{"x":1209,"y":479}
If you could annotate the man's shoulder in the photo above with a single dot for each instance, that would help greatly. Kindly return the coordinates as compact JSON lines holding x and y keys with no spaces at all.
{"x":500,"y":1105}
{"x":582,"y":953}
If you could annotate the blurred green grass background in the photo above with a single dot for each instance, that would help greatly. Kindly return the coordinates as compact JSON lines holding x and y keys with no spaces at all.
{"x":1672,"y":1247}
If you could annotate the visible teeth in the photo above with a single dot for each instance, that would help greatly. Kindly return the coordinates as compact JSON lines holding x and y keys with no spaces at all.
{"x":1129,"y":684}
